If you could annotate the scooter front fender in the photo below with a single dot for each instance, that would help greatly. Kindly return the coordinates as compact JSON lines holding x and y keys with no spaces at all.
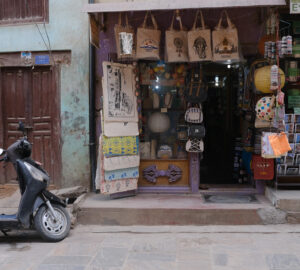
{"x":48,"y":195}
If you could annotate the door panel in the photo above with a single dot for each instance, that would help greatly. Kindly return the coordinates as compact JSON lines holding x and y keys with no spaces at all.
{"x":30,"y":96}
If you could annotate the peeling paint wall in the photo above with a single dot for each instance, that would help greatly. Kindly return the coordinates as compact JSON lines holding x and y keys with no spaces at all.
{"x":67,"y":30}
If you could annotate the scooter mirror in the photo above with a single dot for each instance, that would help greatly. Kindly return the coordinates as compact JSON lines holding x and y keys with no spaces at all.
{"x":1,"y":151}
{"x":21,"y":126}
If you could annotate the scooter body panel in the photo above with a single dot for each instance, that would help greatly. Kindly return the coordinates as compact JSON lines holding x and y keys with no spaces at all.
{"x":9,"y":222}
{"x":33,"y":188}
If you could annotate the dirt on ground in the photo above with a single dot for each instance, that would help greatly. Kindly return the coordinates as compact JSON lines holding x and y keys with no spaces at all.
{"x":7,"y":190}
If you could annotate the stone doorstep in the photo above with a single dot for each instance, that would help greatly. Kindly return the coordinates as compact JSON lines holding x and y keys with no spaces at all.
{"x":158,"y":209}
{"x":286,"y":200}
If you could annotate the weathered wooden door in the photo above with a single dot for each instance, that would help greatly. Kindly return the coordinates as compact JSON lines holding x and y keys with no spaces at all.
{"x":30,"y":95}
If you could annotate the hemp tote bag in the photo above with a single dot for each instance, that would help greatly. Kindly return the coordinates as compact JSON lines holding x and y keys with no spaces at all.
{"x":125,"y":39}
{"x":176,"y":43}
{"x":199,"y":41}
{"x":148,"y":40}
{"x":225,"y":41}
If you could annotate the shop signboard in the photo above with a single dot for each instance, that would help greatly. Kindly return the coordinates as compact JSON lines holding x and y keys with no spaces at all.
{"x":295,"y":6}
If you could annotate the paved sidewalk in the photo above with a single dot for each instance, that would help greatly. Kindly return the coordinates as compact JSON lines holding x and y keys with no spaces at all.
{"x":272,"y":247}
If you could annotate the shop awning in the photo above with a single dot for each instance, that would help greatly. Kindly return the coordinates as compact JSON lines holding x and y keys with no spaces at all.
{"x":139,"y":5}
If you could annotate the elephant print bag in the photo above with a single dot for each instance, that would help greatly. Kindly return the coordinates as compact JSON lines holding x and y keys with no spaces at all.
{"x":199,"y":41}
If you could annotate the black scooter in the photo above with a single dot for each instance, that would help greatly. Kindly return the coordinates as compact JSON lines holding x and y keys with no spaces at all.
{"x":38,"y":208}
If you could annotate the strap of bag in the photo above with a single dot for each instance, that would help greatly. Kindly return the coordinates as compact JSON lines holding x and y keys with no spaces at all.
{"x":200,"y":82}
{"x":120,"y":19}
{"x":196,"y":19}
{"x":191,"y":84}
{"x":229,"y":23}
{"x":152,"y":19}
{"x":178,"y":18}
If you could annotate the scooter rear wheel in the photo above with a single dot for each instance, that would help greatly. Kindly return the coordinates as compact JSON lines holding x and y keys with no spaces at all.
{"x":50,"y":230}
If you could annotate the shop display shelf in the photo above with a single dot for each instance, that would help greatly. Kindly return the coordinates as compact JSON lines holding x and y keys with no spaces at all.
{"x":162,"y":83}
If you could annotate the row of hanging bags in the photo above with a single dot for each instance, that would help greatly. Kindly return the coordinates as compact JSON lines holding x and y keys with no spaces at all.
{"x":180,"y":45}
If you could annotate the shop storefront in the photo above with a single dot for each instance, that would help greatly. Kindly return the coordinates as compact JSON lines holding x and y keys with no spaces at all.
{"x":181,"y":87}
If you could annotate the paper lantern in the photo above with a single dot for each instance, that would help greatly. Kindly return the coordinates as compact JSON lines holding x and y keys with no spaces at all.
{"x":159,"y":122}
{"x":262,"y":79}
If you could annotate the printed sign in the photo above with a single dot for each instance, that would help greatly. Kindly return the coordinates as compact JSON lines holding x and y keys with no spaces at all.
{"x":295,"y":6}
{"x":42,"y":59}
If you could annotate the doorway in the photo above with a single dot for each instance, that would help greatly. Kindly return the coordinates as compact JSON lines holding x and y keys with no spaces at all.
{"x":222,"y":124}
{"x":31,"y":96}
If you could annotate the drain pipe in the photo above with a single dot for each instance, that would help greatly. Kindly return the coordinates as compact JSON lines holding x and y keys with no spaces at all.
{"x":92,"y":126}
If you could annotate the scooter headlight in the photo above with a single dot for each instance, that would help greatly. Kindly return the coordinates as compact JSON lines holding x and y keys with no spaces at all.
{"x":36,"y":173}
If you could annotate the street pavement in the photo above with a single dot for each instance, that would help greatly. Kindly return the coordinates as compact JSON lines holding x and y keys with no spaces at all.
{"x":270,"y":247}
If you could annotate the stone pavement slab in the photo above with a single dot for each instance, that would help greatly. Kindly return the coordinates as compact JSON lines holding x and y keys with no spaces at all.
{"x":157,"y":248}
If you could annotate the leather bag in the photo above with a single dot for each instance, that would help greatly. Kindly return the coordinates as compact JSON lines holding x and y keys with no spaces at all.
{"x":196,"y":131}
{"x":194,"y":145}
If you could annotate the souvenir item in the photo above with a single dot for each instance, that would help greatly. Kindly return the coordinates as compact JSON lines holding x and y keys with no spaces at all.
{"x":194,"y":145}
{"x":194,"y":115}
{"x":264,"y":108}
{"x":145,"y":150}
{"x":164,"y":152}
{"x":122,"y":162}
{"x":225,"y":41}
{"x":199,"y":41}
{"x":196,"y":131}
{"x":182,"y":135}
{"x":263,"y":169}
{"x":196,"y":88}
{"x":119,"y":99}
{"x":262,"y":123}
{"x":148,"y":40}
{"x":168,"y":99}
{"x":176,"y":43}
{"x":156,"y":101}
{"x":120,"y":146}
{"x":111,"y":187}
{"x":262,"y":79}
{"x":279,"y":143}
{"x":159,"y":122}
{"x":124,"y":35}
{"x":153,"y":149}
{"x":266,"y":148}
{"x":121,"y":174}
{"x":116,"y":129}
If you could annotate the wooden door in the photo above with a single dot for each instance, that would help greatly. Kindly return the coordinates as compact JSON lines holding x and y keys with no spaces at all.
{"x":30,"y":95}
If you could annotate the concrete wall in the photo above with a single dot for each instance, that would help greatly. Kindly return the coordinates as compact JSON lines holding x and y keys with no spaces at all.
{"x":67,"y":30}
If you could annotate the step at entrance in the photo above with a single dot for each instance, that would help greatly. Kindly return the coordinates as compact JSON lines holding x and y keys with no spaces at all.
{"x":162,"y":209}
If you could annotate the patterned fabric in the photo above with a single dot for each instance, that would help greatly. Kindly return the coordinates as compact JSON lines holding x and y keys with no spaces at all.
{"x":110,"y":187}
{"x":122,"y":162}
{"x":121,"y":174}
{"x":120,"y":146}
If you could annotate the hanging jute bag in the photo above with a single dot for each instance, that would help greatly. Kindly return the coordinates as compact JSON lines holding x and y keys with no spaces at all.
{"x":199,"y":41}
{"x":176,"y":43}
{"x":125,"y":39}
{"x":225,"y":41}
{"x":148,"y":40}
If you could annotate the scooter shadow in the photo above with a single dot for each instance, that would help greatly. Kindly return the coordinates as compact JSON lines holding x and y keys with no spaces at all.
{"x":21,"y":237}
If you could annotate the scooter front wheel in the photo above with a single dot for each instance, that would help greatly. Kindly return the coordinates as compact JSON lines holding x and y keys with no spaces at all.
{"x":50,"y":229}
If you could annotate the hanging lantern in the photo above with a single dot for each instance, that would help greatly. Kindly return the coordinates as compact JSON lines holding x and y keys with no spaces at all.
{"x":159,"y":122}
{"x":262,"y":79}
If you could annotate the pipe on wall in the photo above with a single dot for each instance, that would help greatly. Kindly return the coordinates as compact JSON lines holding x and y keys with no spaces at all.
{"x":92,"y":109}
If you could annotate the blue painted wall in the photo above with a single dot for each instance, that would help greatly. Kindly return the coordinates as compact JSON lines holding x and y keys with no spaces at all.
{"x":67,"y":30}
